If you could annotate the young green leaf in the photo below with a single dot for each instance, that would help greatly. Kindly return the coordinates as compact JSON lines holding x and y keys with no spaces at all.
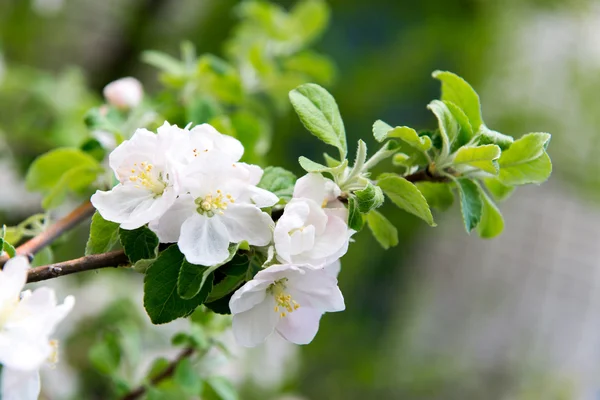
{"x":438,"y":194}
{"x":188,"y":379}
{"x":139,"y":244}
{"x":406,"y":196}
{"x":104,"y":235}
{"x":222,"y":388}
{"x":161,"y":301}
{"x":471,"y":204}
{"x":526,"y":161}
{"x":465,"y":133}
{"x":482,"y":157}
{"x":190,"y":282}
{"x":369,"y":198}
{"x":527,"y":148}
{"x":492,"y":223}
{"x":382,"y":229}
{"x":319,"y":113}
{"x":488,"y":136}
{"x":278,"y":181}
{"x":448,"y":126}
{"x":498,"y":190}
{"x":380,"y":130}
{"x":459,"y":92}
{"x":356,"y":220}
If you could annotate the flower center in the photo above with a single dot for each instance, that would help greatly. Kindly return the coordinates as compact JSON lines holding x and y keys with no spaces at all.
{"x":211,"y":205}
{"x":144,"y":174}
{"x":283,"y":300}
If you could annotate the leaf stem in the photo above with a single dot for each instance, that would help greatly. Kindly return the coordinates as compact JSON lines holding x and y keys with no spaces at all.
{"x":64,"y":224}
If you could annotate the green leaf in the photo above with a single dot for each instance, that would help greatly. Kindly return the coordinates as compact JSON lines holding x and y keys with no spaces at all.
{"x":492,"y":223}
{"x":43,"y":257}
{"x":9,"y":249}
{"x":94,"y":148}
{"x":406,"y":196}
{"x":240,"y":269}
{"x":105,"y":355}
{"x":526,"y":161}
{"x":488,"y":136}
{"x":319,"y":113}
{"x":482,"y":157}
{"x":192,"y":281}
{"x":318,"y":68}
{"x":278,"y":181}
{"x":163,"y":62}
{"x":254,"y":132}
{"x":465,"y":133}
{"x":369,"y":198}
{"x":161,"y":301}
{"x":382,"y":229}
{"x":187,"y":378}
{"x":380,"y":130}
{"x":471,"y":204}
{"x":498,"y":190}
{"x":448,"y":126}
{"x":139,"y":244}
{"x":311,"y":166}
{"x":222,"y":388}
{"x":456,"y":90}
{"x":438,"y":194}
{"x":311,"y":17}
{"x":104,"y":235}
{"x":410,"y":137}
{"x":356,"y":220}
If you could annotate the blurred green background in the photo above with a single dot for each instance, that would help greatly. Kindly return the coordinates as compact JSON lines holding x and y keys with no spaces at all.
{"x":443,"y":315}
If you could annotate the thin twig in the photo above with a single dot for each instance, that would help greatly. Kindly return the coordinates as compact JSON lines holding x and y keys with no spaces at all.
{"x":112,"y":259}
{"x":42,"y":240}
{"x":167,"y":373}
{"x":425,"y":175}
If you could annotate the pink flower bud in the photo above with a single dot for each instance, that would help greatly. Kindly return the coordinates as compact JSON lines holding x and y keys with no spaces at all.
{"x":124,"y":93}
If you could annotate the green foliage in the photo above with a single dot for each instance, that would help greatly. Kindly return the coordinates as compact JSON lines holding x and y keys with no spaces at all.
{"x":458,"y":91}
{"x":58,"y":171}
{"x":526,"y":161}
{"x":406,"y":196}
{"x":498,"y":189}
{"x":5,"y":245}
{"x":139,"y":244}
{"x":482,"y":157}
{"x":369,"y":198}
{"x":193,"y":282}
{"x":492,"y":223}
{"x":319,"y":113}
{"x":471,"y":204}
{"x":105,"y":355}
{"x":279,"y":182}
{"x":104,"y":235}
{"x":187,"y":378}
{"x":220,"y":388}
{"x":438,"y":194}
{"x":382,"y":229}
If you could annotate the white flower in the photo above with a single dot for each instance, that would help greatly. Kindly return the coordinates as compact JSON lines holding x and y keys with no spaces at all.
{"x":205,"y":138}
{"x":223,"y":207}
{"x":147,"y":169}
{"x":25,"y":327}
{"x":124,"y":93}
{"x":313,"y":228}
{"x":287,"y":298}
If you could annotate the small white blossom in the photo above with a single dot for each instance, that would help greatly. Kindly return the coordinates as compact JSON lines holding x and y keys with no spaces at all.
{"x":26,"y":324}
{"x":313,"y":228}
{"x":222,"y":207}
{"x":124,"y":93}
{"x":147,"y":168}
{"x":289,"y":299}
{"x":205,"y":138}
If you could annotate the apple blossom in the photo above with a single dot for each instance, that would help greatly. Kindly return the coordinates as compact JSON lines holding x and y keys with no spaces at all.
{"x":309,"y":232}
{"x":25,"y":327}
{"x":147,"y":169}
{"x":289,"y":299}
{"x":124,"y":93}
{"x":223,"y":206}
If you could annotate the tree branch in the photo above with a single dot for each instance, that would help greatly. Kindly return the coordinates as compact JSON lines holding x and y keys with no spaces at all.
{"x":40,"y":241}
{"x":167,"y":373}
{"x":425,"y":175}
{"x":112,"y":259}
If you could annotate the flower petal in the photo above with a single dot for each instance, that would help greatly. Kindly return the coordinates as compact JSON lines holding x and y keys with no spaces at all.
{"x":248,"y":296}
{"x":252,"y":327}
{"x":19,"y":385}
{"x":168,"y":226}
{"x":204,"y":240}
{"x":316,"y":289}
{"x":300,"y":326}
{"x":311,"y":186}
{"x":247,"y":222}
{"x":12,"y":279}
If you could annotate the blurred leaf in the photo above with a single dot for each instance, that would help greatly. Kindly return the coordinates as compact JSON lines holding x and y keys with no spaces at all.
{"x":278,"y":181}
{"x":471,"y":204}
{"x":254,"y":133}
{"x":438,"y":195}
{"x":187,"y":378}
{"x":43,"y":257}
{"x":406,"y":196}
{"x":104,"y":235}
{"x":482,"y":157}
{"x":382,"y":229}
{"x":498,"y":189}
{"x":369,"y":198}
{"x":316,"y":67}
{"x":139,"y":244}
{"x":222,"y":389}
{"x":163,"y":62}
{"x":94,"y":148}
{"x":319,"y":113}
{"x":492,"y":223}
{"x":105,"y":354}
{"x":456,"y":90}
{"x":158,"y":366}
{"x":161,"y":301}
{"x":201,"y":109}
{"x":311,"y":18}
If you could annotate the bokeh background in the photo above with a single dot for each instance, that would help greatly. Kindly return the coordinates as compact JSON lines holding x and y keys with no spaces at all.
{"x":443,"y":315}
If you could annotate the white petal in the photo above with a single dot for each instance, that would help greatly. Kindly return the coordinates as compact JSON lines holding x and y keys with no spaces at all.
{"x":331,"y":241}
{"x":206,"y":137}
{"x":316,"y":289}
{"x":247,"y":222}
{"x":252,"y":327}
{"x":23,"y":351}
{"x":248,"y":296}
{"x":168,"y":226}
{"x":300,"y":326}
{"x":262,"y":198}
{"x":333,"y":269}
{"x":311,"y":186}
{"x":38,"y":314}
{"x":19,"y":385}
{"x":142,"y":142}
{"x":204,"y":240}
{"x":12,"y":279}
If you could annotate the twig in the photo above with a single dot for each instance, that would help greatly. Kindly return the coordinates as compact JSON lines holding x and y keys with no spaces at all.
{"x":112,"y":259}
{"x":40,"y":241}
{"x":167,"y":373}
{"x":425,"y":175}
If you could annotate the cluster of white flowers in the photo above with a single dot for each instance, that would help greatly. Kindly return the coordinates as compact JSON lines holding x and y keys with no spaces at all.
{"x":189,"y":187}
{"x":26,"y":322}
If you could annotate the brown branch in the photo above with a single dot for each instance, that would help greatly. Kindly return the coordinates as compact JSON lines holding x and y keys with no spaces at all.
{"x":112,"y":259}
{"x":425,"y":175}
{"x":42,"y":240}
{"x":167,"y":373}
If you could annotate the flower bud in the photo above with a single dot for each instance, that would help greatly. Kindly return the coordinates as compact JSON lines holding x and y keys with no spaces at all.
{"x":124,"y":93}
